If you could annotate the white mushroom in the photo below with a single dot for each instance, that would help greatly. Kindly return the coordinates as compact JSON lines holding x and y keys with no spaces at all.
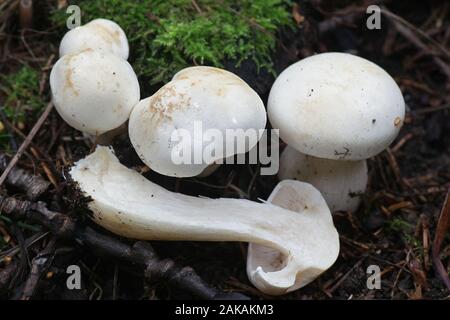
{"x":94,"y":91}
{"x":340,"y":182}
{"x":127,"y":204}
{"x":197,"y":100}
{"x":264,"y":262}
{"x":99,"y":34}
{"x":336,"y":106}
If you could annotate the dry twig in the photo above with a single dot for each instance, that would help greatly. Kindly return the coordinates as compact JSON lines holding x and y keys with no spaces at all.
{"x":33,"y":185}
{"x":441,"y":229}
{"x":40,"y":264}
{"x":26,"y":142}
{"x":140,"y":252}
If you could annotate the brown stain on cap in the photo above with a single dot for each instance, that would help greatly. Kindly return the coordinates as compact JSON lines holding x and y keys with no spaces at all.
{"x":166,"y":101}
{"x":68,"y":74}
{"x":108,"y":35}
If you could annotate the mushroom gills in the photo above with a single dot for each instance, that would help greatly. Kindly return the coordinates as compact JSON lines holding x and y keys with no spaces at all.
{"x":129,"y":205}
{"x":268,"y":267}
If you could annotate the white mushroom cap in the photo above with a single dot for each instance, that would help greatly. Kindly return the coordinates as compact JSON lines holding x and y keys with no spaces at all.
{"x":94,"y":91}
{"x":215,"y":98}
{"x":336,"y":106}
{"x":340,"y":182}
{"x":99,"y":34}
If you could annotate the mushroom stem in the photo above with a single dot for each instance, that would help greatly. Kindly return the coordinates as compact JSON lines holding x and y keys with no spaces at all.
{"x":340,"y":182}
{"x":127,"y":204}
{"x":107,"y":138}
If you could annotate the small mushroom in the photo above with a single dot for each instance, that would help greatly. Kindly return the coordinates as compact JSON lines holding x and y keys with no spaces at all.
{"x":94,"y":91}
{"x":100,"y":35}
{"x":340,"y":182}
{"x":303,"y":234}
{"x":336,"y":106}
{"x":197,"y":100}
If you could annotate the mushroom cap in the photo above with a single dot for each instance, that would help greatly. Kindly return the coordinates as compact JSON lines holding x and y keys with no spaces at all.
{"x":99,"y":34}
{"x":336,"y":106}
{"x":340,"y":182}
{"x":215,"y":98}
{"x":94,"y":91}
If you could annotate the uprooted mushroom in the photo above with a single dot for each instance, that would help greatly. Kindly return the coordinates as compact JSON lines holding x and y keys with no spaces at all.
{"x":296,"y":239}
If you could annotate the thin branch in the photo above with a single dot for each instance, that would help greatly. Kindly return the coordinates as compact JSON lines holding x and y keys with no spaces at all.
{"x":33,"y":185}
{"x":441,"y":229}
{"x":399,"y":19}
{"x":140,"y":252}
{"x":6,"y":275}
{"x":407,"y":30}
{"x":40,"y":264}
{"x":26,"y":142}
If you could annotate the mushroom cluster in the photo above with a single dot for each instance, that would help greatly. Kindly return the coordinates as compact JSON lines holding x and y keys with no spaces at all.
{"x":96,"y":91}
{"x":93,"y":87}
{"x":333,"y":110}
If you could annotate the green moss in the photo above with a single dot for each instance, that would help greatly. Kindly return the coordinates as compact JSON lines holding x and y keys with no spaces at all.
{"x":405,"y":230}
{"x":19,"y":94}
{"x":21,"y":224}
{"x":399,"y":225}
{"x":168,"y":35}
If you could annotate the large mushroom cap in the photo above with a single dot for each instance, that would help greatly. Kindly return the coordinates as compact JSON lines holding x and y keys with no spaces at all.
{"x":213,"y":98}
{"x":99,"y":34}
{"x":94,"y":91}
{"x":336,"y":106}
